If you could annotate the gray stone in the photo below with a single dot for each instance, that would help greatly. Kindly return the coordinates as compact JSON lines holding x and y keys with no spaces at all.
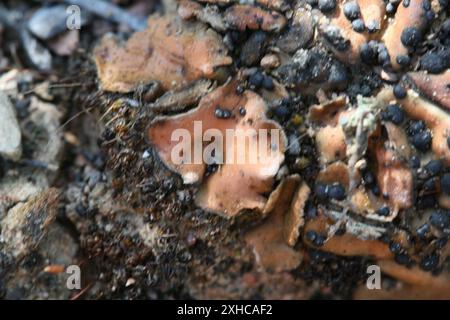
{"x":48,"y":22}
{"x":10,"y":135}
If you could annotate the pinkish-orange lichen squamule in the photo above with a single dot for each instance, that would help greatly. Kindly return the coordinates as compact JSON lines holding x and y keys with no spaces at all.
{"x":272,"y":241}
{"x":170,"y":51}
{"x":236,"y":185}
{"x":434,"y":86}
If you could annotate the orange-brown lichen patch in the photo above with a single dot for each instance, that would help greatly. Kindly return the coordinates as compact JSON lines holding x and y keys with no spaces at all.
{"x":337,"y":25}
{"x":395,"y":179}
{"x":294,"y":218}
{"x":397,"y":141}
{"x":169,"y":51}
{"x":360,"y":201}
{"x":327,"y":113}
{"x":403,"y":291}
{"x":242,"y":17}
{"x":346,"y":244}
{"x":330,"y":143}
{"x":436,"y":119}
{"x":330,"y":137}
{"x":244,"y":174}
{"x":188,"y":9}
{"x":268,"y":241}
{"x":335,"y":172}
{"x":411,"y":16}
{"x":373,"y":11}
{"x":435,"y":87}
{"x":444,"y":201}
{"x":416,"y":276}
{"x":280,"y":5}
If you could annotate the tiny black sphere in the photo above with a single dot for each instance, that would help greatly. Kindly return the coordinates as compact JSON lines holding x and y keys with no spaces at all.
{"x":327,"y":5}
{"x":433,"y":63}
{"x":403,"y":60}
{"x":390,"y":8}
{"x":434,"y":167}
{"x":445,"y":183}
{"x":321,"y":191}
{"x":440,"y":219}
{"x":351,"y":10}
{"x":422,"y":140}
{"x":430,"y":262}
{"x":383,"y":211}
{"x":358,"y":25}
{"x":416,"y":126}
{"x":414,"y":162}
{"x":268,"y":83}
{"x":256,"y":79}
{"x":399,"y":91}
{"x":411,"y":37}
{"x":336,"y":191}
